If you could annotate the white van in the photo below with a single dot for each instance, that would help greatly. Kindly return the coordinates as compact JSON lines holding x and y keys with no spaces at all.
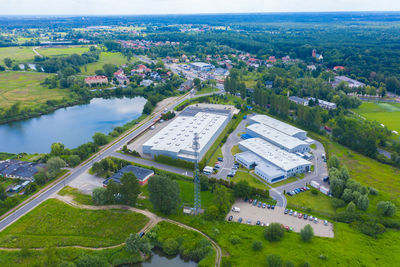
{"x":236,"y":209}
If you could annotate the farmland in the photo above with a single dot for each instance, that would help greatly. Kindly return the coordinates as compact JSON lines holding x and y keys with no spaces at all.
{"x":385,"y":113}
{"x":62,"y":51}
{"x":18,"y":54}
{"x":24,"y":87}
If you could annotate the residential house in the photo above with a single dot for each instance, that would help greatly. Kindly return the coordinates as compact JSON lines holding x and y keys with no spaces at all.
{"x":146,"y":83}
{"x":141,"y":174}
{"x":16,"y":169}
{"x":96,"y":80}
{"x":298,"y":100}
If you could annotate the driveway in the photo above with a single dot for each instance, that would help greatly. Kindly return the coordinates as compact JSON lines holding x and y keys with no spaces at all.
{"x":87,"y":182}
{"x":267,"y":216}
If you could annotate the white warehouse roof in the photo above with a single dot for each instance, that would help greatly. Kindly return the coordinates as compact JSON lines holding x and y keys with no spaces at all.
{"x":177,"y":137}
{"x":280,"y":138}
{"x":278,"y":125}
{"x":249,"y":157}
{"x":273,"y":154}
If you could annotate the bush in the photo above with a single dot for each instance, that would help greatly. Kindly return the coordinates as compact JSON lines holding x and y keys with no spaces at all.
{"x":289,"y":264}
{"x":307,"y":233}
{"x":171,"y":247}
{"x":363,"y":202}
{"x":274,"y":232}
{"x":234,"y":239}
{"x":257,"y":245}
{"x":373,"y":191}
{"x":87,"y":260}
{"x":314,"y":191}
{"x":351,"y":207}
{"x":386,"y":208}
{"x":274,"y":260}
{"x":99,"y":195}
{"x":337,"y":203}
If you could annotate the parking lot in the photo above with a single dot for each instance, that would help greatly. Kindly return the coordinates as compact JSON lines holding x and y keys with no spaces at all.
{"x":267,"y":216}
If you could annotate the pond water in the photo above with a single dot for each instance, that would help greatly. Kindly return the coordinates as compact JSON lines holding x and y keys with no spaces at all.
{"x":159,"y":258}
{"x":71,"y":126}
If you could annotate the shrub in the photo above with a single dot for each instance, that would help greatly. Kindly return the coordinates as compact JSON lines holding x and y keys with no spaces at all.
{"x":87,"y":260}
{"x":363,"y":202}
{"x":307,"y":233}
{"x":274,"y":232}
{"x":386,"y":208}
{"x":338,"y":203}
{"x":373,"y":191}
{"x":235,"y":240}
{"x":351,"y":207}
{"x":257,"y":245}
{"x":99,"y":195}
{"x":171,"y":247}
{"x":274,"y":260}
{"x":314,"y":191}
{"x":289,"y":264}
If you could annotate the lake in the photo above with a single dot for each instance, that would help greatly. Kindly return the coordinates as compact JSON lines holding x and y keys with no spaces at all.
{"x":158,"y":258}
{"x":71,"y":126}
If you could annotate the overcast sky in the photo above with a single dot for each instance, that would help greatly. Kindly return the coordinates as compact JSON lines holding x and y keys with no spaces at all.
{"x":93,"y":7}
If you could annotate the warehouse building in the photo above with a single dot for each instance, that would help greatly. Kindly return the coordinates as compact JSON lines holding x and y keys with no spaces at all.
{"x":273,"y":158}
{"x":201,"y":66}
{"x":279,"y":125}
{"x":277,"y":138}
{"x":176,"y":139}
{"x":141,"y":174}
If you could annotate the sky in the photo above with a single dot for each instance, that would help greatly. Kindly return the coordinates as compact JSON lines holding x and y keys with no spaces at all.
{"x":135,"y":7}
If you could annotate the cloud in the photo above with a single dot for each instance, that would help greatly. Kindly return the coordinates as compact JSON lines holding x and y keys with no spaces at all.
{"x":71,"y":7}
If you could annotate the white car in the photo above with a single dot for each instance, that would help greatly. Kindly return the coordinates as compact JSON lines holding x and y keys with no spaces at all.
{"x":316,"y":220}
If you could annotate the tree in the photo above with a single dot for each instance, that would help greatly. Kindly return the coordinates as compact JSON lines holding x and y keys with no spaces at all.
{"x":171,"y":247}
{"x":130,"y":188}
{"x":30,"y":188}
{"x":148,"y":108}
{"x":109,"y":70}
{"x":334,"y":162}
{"x":112,"y":193}
{"x":257,"y":245}
{"x":274,"y":232}
{"x":222,"y":199}
{"x":386,"y":208}
{"x":74,"y":160}
{"x":3,"y":194}
{"x":135,"y":244}
{"x":57,"y":149}
{"x":2,"y":68}
{"x":336,"y":186}
{"x":89,"y":260}
{"x":99,"y":195}
{"x":197,"y":83}
{"x":351,"y":207}
{"x":8,"y":62}
{"x":307,"y":233}
{"x":344,"y":173}
{"x":164,"y":193}
{"x":54,"y":166}
{"x":204,"y":184}
{"x":40,"y":177}
{"x":363,"y":202}
{"x":242,"y":189}
{"x":100,"y":139}
{"x":274,"y":260}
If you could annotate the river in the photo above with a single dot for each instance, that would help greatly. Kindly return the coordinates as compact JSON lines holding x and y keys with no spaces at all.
{"x":71,"y":126}
{"x":158,"y":258}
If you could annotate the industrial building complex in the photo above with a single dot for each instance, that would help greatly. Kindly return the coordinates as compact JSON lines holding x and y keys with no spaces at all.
{"x":176,"y":139}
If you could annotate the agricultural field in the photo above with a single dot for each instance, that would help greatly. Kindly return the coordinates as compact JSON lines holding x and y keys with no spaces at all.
{"x":386,"y":113}
{"x":62,"y":51}
{"x":18,"y":54}
{"x":56,"y":224}
{"x":24,"y":87}
{"x":105,"y":58}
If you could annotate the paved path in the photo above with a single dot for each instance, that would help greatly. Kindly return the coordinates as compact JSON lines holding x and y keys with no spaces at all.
{"x":36,"y":52}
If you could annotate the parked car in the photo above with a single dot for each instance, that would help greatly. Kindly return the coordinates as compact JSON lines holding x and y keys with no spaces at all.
{"x":240,"y":220}
{"x":248,"y":221}
{"x":220,"y":159}
{"x":290,"y":212}
{"x":289,"y":193}
{"x":259,"y":204}
{"x":300,"y":216}
{"x":291,"y":228}
{"x":272,"y":207}
{"x":254,"y":202}
{"x":258,"y":223}
{"x":262,"y":224}
{"x":310,"y":218}
{"x":305,"y":216}
{"x":325,"y":222}
{"x":141,"y":234}
{"x":316,"y":220}
{"x":268,"y":206}
{"x":287,"y":228}
{"x":250,"y":200}
{"x":295,"y":214}
{"x":264,"y":205}
{"x":230,"y":218}
{"x":286,"y":211}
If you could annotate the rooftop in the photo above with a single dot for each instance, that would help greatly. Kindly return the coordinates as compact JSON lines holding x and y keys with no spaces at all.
{"x":140,"y":173}
{"x":277,"y":124}
{"x":280,"y":138}
{"x":273,"y":154}
{"x":262,"y":164}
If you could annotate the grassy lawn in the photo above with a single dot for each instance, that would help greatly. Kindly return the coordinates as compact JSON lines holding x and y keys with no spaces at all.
{"x":235,"y":149}
{"x":385,"y":113}
{"x":105,"y":58}
{"x":54,"y":223}
{"x":286,"y":181}
{"x":62,"y":51}
{"x":77,"y":195}
{"x":24,"y":87}
{"x":317,"y":203}
{"x":207,"y":90}
{"x":18,"y":54}
{"x":246,"y":176}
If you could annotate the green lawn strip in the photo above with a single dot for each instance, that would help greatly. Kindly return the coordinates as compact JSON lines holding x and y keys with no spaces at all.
{"x":286,"y":181}
{"x":246,"y":176}
{"x":77,"y":195}
{"x":54,"y":223}
{"x":319,"y":203}
{"x":105,"y":58}
{"x":63,"y":51}
{"x":206,"y":90}
{"x":25,"y":88}
{"x":386,"y":113}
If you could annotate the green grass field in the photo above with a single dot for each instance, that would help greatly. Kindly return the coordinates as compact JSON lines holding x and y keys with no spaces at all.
{"x":319,"y":203}
{"x":54,"y":223}
{"x":105,"y":58}
{"x":24,"y":87}
{"x":18,"y":54}
{"x":62,"y":51}
{"x":207,"y":90}
{"x":385,"y":113}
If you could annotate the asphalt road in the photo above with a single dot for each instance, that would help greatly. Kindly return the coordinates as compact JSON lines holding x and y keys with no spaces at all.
{"x":76,"y":172}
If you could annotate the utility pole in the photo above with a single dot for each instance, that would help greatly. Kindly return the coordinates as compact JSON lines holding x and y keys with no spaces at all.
{"x":197,"y":201}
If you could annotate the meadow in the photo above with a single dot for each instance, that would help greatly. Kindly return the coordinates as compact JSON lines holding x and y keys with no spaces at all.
{"x":62,"y":51}
{"x":24,"y":87}
{"x":387,"y":114}
{"x":206,"y":90}
{"x":105,"y":58}
{"x":18,"y":54}
{"x":56,"y":224}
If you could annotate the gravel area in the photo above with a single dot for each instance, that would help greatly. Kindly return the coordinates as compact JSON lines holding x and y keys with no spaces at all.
{"x":267,"y":216}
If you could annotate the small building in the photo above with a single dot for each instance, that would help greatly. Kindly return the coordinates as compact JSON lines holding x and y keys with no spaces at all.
{"x":141,"y":174}
{"x":201,"y":66}
{"x":186,"y":86}
{"x":98,"y":79}
{"x":271,"y":59}
{"x":350,"y":82}
{"x":324,"y":104}
{"x":146,"y":83}
{"x":122,"y":79}
{"x":298,"y":100}
{"x":16,"y":169}
{"x":269,"y":84}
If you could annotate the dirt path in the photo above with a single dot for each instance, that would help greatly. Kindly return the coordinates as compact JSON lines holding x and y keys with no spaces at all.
{"x":36,"y":52}
{"x":154,"y":219}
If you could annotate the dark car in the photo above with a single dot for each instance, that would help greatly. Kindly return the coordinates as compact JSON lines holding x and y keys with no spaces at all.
{"x":250,"y":200}
{"x":326,"y":179}
{"x":305,"y":216}
{"x":268,"y":206}
{"x":141,"y":234}
{"x":272,"y":207}
{"x":286,"y":211}
{"x":240,"y":220}
{"x":220,"y":159}
{"x":230,"y":218}
{"x":258,"y":223}
{"x":259,"y":204}
{"x":289,"y":193}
